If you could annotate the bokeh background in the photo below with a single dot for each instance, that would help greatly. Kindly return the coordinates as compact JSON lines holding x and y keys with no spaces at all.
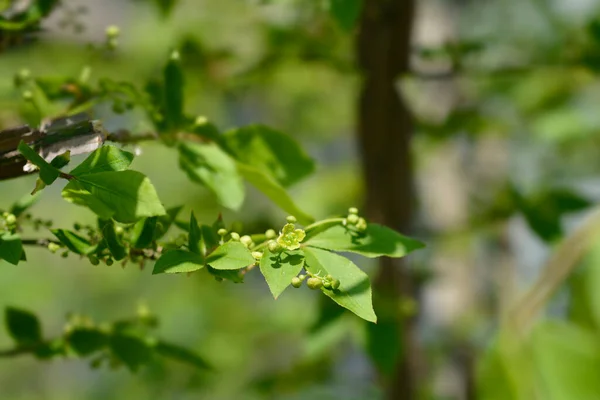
{"x":503,"y":97}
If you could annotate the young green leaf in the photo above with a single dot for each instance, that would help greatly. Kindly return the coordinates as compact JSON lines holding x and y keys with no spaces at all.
{"x":112,"y":240}
{"x":143,"y":232}
{"x":85,"y":341}
{"x":61,"y":160}
{"x":232,"y":275}
{"x":106,"y":158}
{"x":176,"y":261}
{"x":215,"y":169}
{"x":11,"y":248}
{"x":231,"y":255}
{"x":274,"y":191}
{"x":279,"y":269}
{"x":48,"y":173}
{"x":165,"y":221}
{"x":77,"y":244}
{"x":131,"y":350}
{"x":181,"y":354}
{"x":195,"y":235}
{"x":125,"y":196}
{"x":376,"y":241}
{"x":23,"y":326}
{"x":271,"y":152}
{"x":173,"y":91}
{"x":24,"y":203}
{"x":354,"y":292}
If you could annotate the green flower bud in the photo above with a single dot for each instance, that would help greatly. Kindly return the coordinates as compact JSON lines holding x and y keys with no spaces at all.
{"x":65,"y":254}
{"x":201,"y":120}
{"x":119,"y":230}
{"x":335,"y":284}
{"x":314,"y":283}
{"x":257,"y":255}
{"x":109,"y":261}
{"x":353,"y":210}
{"x":273,"y":246}
{"x":27,"y":95}
{"x":10,"y":219}
{"x":271,"y":234}
{"x":112,"y":31}
{"x":329,"y":277}
{"x":218,"y":279}
{"x":53,"y":247}
{"x":291,"y":219}
{"x":246,"y":240}
{"x":94,"y":260}
{"x":353,"y":219}
{"x":302,"y":277}
{"x":296,"y":282}
{"x":235,"y":236}
{"x":327,"y":285}
{"x":361,"y":225}
{"x":222,"y":232}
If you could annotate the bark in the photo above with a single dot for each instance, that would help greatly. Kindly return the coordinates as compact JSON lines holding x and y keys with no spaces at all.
{"x":384,"y":131}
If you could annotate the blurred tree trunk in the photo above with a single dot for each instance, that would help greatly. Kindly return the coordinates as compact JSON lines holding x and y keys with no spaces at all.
{"x":384,"y":130}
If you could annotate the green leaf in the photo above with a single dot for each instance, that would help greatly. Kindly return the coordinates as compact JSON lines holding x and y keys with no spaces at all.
{"x":354,"y":292}
{"x":165,"y":221}
{"x":77,"y":244}
{"x":567,"y":359}
{"x":232,"y":275}
{"x":231,"y":255}
{"x":125,"y":196}
{"x":106,"y":158}
{"x":130,"y":350}
{"x":195,"y":235}
{"x":23,"y":326}
{"x":376,"y":241}
{"x":85,"y":341}
{"x":274,"y":191}
{"x":212,"y":167}
{"x":173,"y":101}
{"x":11,"y":248}
{"x":279,"y":269}
{"x":144,"y":232}
{"x":345,"y":12}
{"x":24,"y":203}
{"x":181,"y":354}
{"x":114,"y":244}
{"x":210,"y":238}
{"x":48,"y":173}
{"x":61,"y":160}
{"x":271,"y":152}
{"x":177,"y":261}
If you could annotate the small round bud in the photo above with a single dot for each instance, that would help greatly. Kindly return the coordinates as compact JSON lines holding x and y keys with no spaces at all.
{"x":10,"y":219}
{"x":314,"y":283}
{"x":112,"y":31}
{"x":65,"y":254}
{"x":291,"y":219}
{"x":361,"y":225}
{"x":222,"y":232}
{"x":257,"y":255}
{"x":27,"y":95}
{"x":352,"y":219}
{"x":271,"y":234}
{"x":296,"y":282}
{"x":175,"y":56}
{"x":53,"y":247}
{"x":335,"y":284}
{"x":302,"y":277}
{"x":218,"y":279}
{"x":329,"y":277}
{"x":246,"y":240}
{"x":119,"y":230}
{"x":77,"y":226}
{"x":327,"y":285}
{"x":273,"y":246}
{"x":94,"y":260}
{"x":201,"y":120}
{"x":353,"y":210}
{"x":235,"y":236}
{"x":109,"y":261}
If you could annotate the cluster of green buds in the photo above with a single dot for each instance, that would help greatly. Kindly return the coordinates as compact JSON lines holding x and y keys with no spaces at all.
{"x":8,"y":222}
{"x":355,"y":220}
{"x":289,"y":238}
{"x":316,"y":282}
{"x":112,"y":37}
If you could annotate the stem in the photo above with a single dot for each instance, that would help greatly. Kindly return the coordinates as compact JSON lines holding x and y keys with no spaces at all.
{"x":328,"y":221}
{"x":38,"y":242}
